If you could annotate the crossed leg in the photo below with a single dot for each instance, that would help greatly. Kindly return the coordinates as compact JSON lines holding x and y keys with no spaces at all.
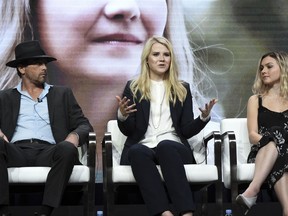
{"x":264,"y":163}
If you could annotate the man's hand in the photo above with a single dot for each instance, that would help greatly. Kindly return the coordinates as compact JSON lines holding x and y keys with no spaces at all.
{"x":2,"y":135}
{"x":73,"y":138}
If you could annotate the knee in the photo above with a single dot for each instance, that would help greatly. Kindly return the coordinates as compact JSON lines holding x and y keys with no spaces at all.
{"x":66,"y":149}
{"x":168,"y":150}
{"x":165,"y":147}
{"x":138,"y":151}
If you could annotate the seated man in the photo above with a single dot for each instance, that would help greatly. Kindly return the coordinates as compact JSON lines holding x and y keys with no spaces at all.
{"x":40,"y":125}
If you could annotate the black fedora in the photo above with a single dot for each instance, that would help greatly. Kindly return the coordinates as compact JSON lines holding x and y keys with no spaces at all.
{"x":29,"y":50}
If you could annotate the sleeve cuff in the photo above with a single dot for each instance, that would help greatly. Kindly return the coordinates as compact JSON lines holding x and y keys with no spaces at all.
{"x":205,"y":119}
{"x":120,"y":116}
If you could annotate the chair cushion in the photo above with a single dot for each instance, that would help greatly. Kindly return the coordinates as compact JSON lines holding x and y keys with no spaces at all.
{"x":245,"y":172}
{"x":123,"y":174}
{"x":80,"y":174}
{"x":195,"y":173}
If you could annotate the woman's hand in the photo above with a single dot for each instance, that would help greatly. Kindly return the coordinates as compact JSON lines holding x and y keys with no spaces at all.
{"x":208,"y":107}
{"x":124,"y":107}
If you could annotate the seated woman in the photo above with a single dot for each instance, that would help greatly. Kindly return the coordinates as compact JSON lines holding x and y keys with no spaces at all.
{"x":267,"y":119}
{"x":156,"y":115}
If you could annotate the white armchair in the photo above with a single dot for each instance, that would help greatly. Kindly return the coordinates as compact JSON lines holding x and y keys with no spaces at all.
{"x":115,"y":175}
{"x":237,"y":173}
{"x":21,"y":178}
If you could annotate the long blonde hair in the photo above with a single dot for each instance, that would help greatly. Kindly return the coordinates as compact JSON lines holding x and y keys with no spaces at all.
{"x":14,"y":19}
{"x":173,"y":87}
{"x":281,"y":58}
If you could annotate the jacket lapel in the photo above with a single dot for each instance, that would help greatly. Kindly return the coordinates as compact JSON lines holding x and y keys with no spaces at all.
{"x":15,"y":106}
{"x":173,"y":111}
{"x":51,"y":104}
{"x":146,"y":110}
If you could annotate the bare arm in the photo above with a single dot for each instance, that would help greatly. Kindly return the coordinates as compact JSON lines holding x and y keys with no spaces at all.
{"x":252,"y":119}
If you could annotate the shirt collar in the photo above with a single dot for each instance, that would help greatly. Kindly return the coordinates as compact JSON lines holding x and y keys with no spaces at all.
{"x":46,"y":87}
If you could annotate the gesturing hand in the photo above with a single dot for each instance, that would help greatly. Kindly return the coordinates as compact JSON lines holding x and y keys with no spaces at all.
{"x":208,"y":107}
{"x":124,"y":107}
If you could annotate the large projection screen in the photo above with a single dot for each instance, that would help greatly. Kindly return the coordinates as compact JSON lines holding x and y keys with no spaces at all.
{"x":98,"y":46}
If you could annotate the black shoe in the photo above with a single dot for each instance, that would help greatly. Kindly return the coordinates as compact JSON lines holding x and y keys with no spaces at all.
{"x":6,"y":214}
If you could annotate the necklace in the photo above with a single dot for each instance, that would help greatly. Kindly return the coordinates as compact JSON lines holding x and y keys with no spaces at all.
{"x":160,"y":113}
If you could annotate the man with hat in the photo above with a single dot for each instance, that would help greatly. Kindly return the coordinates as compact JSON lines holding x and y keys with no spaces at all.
{"x":40,"y":125}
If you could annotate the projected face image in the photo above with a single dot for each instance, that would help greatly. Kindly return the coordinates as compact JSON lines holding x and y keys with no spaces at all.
{"x":99,"y":38}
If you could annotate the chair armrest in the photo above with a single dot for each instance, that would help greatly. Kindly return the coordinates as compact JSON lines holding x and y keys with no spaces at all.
{"x":107,"y":150}
{"x":230,"y":135}
{"x":91,"y":149}
{"x":91,"y":163}
{"x":107,"y":166}
{"x":107,"y":163}
{"x":217,"y":146}
{"x":86,"y":150}
{"x":217,"y":161}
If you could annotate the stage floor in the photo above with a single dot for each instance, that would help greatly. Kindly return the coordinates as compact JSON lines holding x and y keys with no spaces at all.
{"x":263,"y":209}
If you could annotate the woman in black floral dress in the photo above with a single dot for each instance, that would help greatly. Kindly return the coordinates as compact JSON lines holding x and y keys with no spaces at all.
{"x":267,"y":120}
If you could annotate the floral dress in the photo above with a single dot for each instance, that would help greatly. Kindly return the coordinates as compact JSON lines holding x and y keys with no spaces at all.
{"x":273,"y":126}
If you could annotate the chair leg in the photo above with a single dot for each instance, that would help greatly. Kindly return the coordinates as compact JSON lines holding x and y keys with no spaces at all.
{"x":204,"y":201}
{"x":91,"y":199}
{"x":85,"y":203}
{"x":234,"y":192}
{"x":110,"y":205}
{"x":110,"y":202}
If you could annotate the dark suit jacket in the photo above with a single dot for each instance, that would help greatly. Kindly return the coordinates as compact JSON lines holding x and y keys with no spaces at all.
{"x":135,"y":126}
{"x":64,"y":112}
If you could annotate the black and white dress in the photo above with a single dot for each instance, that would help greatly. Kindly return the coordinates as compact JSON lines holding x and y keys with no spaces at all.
{"x":274,"y":127}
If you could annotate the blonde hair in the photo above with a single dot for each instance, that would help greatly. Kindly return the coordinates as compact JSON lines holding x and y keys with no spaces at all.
{"x":173,"y":87}
{"x":281,"y":58}
{"x":14,"y":19}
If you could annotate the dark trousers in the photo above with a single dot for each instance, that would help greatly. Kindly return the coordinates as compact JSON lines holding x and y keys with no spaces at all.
{"x":171,"y":156}
{"x":60,"y":157}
